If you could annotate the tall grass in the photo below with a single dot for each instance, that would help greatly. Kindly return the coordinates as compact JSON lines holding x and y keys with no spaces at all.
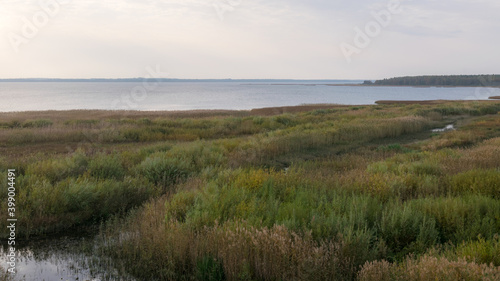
{"x":58,"y":169}
{"x":429,"y":268}
{"x":47,"y":207}
{"x":234,"y":251}
{"x":106,"y":167}
{"x":332,"y":194}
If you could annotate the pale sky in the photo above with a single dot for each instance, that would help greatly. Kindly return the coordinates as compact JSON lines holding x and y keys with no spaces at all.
{"x":271,"y":39}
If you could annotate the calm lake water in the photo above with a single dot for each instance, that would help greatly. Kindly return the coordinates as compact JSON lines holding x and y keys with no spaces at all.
{"x":64,"y":258}
{"x":34,"y":96}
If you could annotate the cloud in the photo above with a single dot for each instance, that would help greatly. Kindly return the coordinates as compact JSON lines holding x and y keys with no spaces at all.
{"x":262,"y":39}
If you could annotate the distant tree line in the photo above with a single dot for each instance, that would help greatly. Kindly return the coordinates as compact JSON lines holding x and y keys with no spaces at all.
{"x":453,"y":80}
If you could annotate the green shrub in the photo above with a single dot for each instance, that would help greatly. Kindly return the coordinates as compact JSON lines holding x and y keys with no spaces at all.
{"x":60,"y":168}
{"x":88,"y":199}
{"x":133,"y":134}
{"x":162,"y":147}
{"x":425,"y":168}
{"x":14,"y":124}
{"x":481,"y":251}
{"x":179,"y":205}
{"x":39,"y":123}
{"x":199,"y":154}
{"x":145,"y":121}
{"x":419,"y":186}
{"x":209,"y":269}
{"x":106,"y":167}
{"x":486,"y":182}
{"x":462,"y":218}
{"x":48,"y":207}
{"x":164,"y":171}
{"x":84,"y":123}
{"x":393,"y":148}
{"x":286,"y":120}
{"x":407,"y":230}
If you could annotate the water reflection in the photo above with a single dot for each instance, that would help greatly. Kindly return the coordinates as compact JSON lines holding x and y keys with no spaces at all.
{"x":62,"y":258}
{"x":450,"y":127}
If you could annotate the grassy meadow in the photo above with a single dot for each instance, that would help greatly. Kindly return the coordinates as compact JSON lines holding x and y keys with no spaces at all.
{"x":306,"y":193}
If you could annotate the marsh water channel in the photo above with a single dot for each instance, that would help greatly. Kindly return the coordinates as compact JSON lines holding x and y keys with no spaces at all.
{"x":64,"y":257}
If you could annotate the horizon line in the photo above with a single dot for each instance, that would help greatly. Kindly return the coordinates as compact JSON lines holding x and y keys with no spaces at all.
{"x":175,"y":79}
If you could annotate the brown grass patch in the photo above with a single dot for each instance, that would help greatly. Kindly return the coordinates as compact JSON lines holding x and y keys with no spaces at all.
{"x":421,"y":102}
{"x":429,"y":102}
{"x":268,"y":111}
{"x":55,"y":115}
{"x":428,"y":268}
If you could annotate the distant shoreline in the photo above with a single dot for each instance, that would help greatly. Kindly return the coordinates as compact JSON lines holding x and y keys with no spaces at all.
{"x":249,"y":82}
{"x":425,"y":81}
{"x":370,"y":85}
{"x":482,"y":80}
{"x":172,"y":80}
{"x":408,"y":86}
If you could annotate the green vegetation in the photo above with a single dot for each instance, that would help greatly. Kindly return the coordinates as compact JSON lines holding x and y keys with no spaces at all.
{"x":453,"y":80}
{"x":340,"y":193}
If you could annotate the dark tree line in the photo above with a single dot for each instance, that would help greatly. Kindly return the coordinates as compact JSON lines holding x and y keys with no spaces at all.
{"x":453,"y":80}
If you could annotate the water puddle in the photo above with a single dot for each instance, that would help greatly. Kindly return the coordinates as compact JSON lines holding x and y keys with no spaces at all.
{"x":450,"y":127}
{"x":61,"y":258}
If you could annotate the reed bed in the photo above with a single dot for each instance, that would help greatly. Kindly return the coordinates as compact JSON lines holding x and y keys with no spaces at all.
{"x":335,"y":193}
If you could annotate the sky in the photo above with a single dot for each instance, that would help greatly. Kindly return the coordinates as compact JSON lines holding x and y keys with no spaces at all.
{"x":259,"y":39}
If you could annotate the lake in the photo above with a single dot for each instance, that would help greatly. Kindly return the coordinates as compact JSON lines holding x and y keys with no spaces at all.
{"x":61,"y":258}
{"x":36,"y":96}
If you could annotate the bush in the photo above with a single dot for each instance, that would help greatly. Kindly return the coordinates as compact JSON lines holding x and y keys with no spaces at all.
{"x":407,"y":230}
{"x":39,"y":123}
{"x":48,"y":207}
{"x":393,"y":148}
{"x":106,"y":167}
{"x":116,"y":196}
{"x":209,"y":269}
{"x":481,"y":251}
{"x":179,"y":205}
{"x":286,"y":120}
{"x":462,"y":218}
{"x":428,"y":268}
{"x":14,"y":124}
{"x":486,"y":182}
{"x":88,"y":199}
{"x":58,"y":169}
{"x":163,"y":171}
